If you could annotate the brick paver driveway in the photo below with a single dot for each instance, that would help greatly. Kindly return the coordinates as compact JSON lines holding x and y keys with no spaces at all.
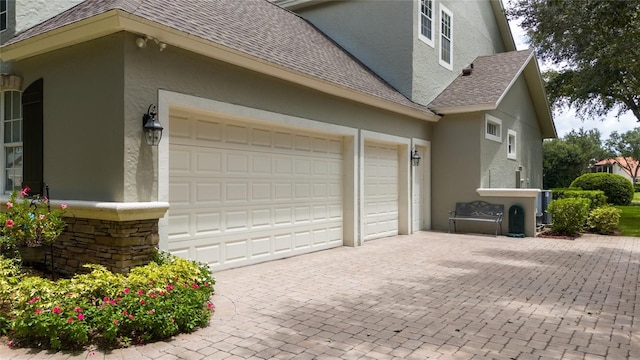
{"x":425,"y":296}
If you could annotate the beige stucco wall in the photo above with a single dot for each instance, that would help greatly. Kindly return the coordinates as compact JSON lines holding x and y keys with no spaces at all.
{"x":475,"y":33}
{"x":83,"y":109}
{"x":387,"y":50}
{"x":483,"y":163}
{"x":97,"y":92}
{"x":517,"y":113}
{"x":455,"y":165}
{"x":395,"y":52}
{"x":176,"y":70}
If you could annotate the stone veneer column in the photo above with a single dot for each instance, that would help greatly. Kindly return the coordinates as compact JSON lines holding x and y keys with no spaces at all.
{"x":119,"y":236}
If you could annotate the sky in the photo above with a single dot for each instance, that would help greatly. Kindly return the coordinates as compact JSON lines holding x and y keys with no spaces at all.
{"x":566,"y":119}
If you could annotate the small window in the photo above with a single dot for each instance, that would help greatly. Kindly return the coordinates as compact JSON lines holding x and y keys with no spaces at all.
{"x":12,"y":143}
{"x":446,"y":38}
{"x":493,"y":128}
{"x":511,"y":144}
{"x":426,"y":21}
{"x":4,"y":18}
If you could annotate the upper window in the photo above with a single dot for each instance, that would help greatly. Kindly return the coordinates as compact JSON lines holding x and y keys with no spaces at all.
{"x":511,"y":144}
{"x":426,"y":21}
{"x":12,"y":130}
{"x":446,"y":38}
{"x":493,"y":128}
{"x":4,"y":18}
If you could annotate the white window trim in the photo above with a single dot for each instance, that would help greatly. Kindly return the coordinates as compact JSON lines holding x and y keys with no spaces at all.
{"x":488,"y":119}
{"x":443,"y":63}
{"x":5,"y":146}
{"x":425,"y":39}
{"x":513,"y":154}
{"x":6,"y":14}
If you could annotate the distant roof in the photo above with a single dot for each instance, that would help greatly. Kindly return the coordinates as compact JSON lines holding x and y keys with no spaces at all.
{"x":624,"y":162}
{"x":257,"y":28}
{"x":487,"y":82}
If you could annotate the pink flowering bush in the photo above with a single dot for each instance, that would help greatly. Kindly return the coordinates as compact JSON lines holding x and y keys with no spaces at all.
{"x":110,"y":310}
{"x":29,"y":221}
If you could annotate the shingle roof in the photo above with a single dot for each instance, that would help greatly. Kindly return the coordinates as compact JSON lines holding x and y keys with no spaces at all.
{"x":254,"y":27}
{"x":490,"y":78}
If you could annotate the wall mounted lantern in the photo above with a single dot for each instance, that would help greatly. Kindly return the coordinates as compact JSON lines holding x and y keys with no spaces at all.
{"x":415,"y":157}
{"x":151,"y":126}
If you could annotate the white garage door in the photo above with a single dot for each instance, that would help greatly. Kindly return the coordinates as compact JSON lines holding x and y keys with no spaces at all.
{"x":242,"y":193}
{"x":380,"y":190}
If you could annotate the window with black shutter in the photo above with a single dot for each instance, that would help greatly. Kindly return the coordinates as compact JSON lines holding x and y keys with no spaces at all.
{"x":32,"y":128}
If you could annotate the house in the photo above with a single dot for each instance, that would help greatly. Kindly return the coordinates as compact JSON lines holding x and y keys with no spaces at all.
{"x":624,"y":166}
{"x":289,"y":126}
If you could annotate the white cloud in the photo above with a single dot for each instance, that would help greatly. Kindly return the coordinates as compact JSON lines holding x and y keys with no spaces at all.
{"x":567,"y":120}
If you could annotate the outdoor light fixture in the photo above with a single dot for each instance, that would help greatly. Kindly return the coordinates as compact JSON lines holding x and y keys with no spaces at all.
{"x":151,"y":126}
{"x":415,"y":157}
{"x":141,"y":42}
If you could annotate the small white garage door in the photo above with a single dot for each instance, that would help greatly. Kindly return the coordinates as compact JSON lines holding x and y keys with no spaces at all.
{"x":380,"y":190}
{"x":242,"y":193}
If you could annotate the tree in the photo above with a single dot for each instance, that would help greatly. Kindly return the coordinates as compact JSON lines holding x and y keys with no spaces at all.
{"x":567,"y":158}
{"x":590,"y":145}
{"x":561,"y":163}
{"x":627,"y":146}
{"x":594,"y":44}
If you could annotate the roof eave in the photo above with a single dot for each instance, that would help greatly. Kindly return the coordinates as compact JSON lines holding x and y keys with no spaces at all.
{"x":75,"y":33}
{"x":535,"y":84}
{"x":297,"y":4}
{"x":116,"y":20}
{"x":503,"y":25}
{"x":448,"y":110}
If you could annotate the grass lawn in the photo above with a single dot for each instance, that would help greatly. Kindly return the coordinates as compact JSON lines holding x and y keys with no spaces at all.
{"x":630,"y":219}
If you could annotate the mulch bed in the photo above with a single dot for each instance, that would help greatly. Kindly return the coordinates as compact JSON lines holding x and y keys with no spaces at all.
{"x":548,"y":233}
{"x":551,"y":235}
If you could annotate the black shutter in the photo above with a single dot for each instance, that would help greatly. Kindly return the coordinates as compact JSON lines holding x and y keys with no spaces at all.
{"x":32,"y":138}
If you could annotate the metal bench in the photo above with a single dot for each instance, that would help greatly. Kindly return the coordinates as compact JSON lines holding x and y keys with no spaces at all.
{"x":480,"y":211}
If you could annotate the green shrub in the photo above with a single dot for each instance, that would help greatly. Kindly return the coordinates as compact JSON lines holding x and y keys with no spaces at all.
{"x":604,"y":220}
{"x":596,"y":197}
{"x":568,"y":215}
{"x":619,"y":191}
{"x":153,"y":302}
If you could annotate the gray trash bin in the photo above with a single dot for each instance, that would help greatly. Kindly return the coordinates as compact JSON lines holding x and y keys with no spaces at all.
{"x":516,"y":221}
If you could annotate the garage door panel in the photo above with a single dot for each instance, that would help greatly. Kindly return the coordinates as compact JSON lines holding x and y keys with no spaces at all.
{"x":381,"y":190}
{"x":180,"y":126}
{"x":179,"y":226}
{"x":211,"y":254}
{"x":180,"y":193}
{"x":208,"y":193}
{"x":244,"y":193}
{"x":283,"y":216}
{"x":205,"y":130}
{"x":261,"y":164}
{"x":180,"y":161}
{"x":207,"y":223}
{"x":260,"y":247}
{"x":261,"y":218}
{"x":261,"y":137}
